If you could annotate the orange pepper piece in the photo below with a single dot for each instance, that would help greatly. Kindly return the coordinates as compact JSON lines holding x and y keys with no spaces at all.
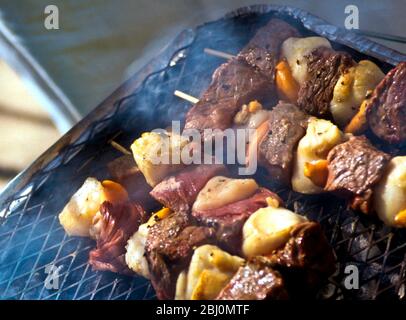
{"x":287,"y":86}
{"x":358,"y":123}
{"x":114,"y":192}
{"x":317,"y":171}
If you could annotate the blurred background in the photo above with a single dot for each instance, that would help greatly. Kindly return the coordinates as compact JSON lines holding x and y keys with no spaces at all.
{"x":50,"y":79}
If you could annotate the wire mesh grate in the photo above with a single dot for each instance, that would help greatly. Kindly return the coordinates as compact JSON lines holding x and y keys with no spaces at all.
{"x":32,"y":239}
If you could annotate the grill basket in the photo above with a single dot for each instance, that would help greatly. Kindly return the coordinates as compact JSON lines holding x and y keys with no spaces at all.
{"x":31,"y":237}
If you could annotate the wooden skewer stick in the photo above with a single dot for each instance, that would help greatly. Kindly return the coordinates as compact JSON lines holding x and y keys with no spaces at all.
{"x":217,"y":53}
{"x":209,"y":51}
{"x":119,"y":147}
{"x":186,"y":96}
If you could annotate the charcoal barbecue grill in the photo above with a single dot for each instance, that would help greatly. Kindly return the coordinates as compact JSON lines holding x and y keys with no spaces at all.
{"x":31,"y":238}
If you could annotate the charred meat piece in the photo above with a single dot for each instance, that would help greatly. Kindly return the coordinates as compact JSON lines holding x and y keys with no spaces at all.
{"x":117,"y":223}
{"x":386,"y":110}
{"x":178,"y":192}
{"x":234,"y":84}
{"x":229,"y":219}
{"x":248,"y":77}
{"x":125,"y":171}
{"x":169,"y":248}
{"x":262,"y":52}
{"x":255,"y":281}
{"x":354,"y":168}
{"x":306,"y":260}
{"x":324,"y":66}
{"x":286,"y":126}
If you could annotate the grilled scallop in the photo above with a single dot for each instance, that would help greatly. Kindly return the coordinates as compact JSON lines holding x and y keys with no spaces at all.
{"x":390,"y":194}
{"x":310,"y":168}
{"x":209,"y":271}
{"x":77,"y":216}
{"x":294,"y":50}
{"x":268,"y":229}
{"x":351,"y":89}
{"x":220,"y":191}
{"x":158,"y":154}
{"x":135,"y":255}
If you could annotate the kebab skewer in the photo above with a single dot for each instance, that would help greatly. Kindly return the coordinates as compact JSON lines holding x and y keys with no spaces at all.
{"x":295,"y":149}
{"x":207,"y":234}
{"x":330,"y":84}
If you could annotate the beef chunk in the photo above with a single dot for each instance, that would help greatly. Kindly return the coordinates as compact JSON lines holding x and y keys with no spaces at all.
{"x":169,"y":248}
{"x":325,"y":66}
{"x":300,"y":267}
{"x":117,"y":224}
{"x":286,"y":126}
{"x":386,"y":110}
{"x":262,"y":52}
{"x":229,"y":219}
{"x":255,"y":281}
{"x":180,"y":191}
{"x":306,"y":260}
{"x":234,"y":84}
{"x":354,"y":167}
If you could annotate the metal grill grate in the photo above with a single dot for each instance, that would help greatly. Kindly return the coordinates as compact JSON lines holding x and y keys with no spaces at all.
{"x":31,"y":237}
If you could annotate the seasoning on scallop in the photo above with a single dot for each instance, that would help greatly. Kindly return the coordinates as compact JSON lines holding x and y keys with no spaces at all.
{"x":209,"y":272}
{"x":352,"y":88}
{"x":158,"y":154}
{"x":135,"y":255}
{"x":78,"y":214}
{"x":390,"y":194}
{"x":267,"y":229}
{"x":295,"y":51}
{"x":220,"y":191}
{"x":310,"y":168}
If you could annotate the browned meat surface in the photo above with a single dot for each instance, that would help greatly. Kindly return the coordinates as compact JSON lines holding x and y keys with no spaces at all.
{"x":180,"y":191}
{"x":117,"y":224}
{"x":354,"y":167}
{"x":255,"y":281}
{"x":286,"y":126}
{"x":386,"y":110}
{"x":300,"y":267}
{"x":248,"y":77}
{"x":234,"y":84}
{"x":325,"y":66}
{"x":307,"y":258}
{"x":229,"y":220}
{"x":262,"y":52}
{"x":124,"y":171}
{"x":169,"y":248}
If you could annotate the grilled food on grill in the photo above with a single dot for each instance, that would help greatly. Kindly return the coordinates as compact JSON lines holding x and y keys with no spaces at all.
{"x":354,"y":168}
{"x":352,"y":88}
{"x":77,"y":216}
{"x":295,"y":51}
{"x":277,"y":140}
{"x":117,"y":223}
{"x":386,"y":110}
{"x":390,"y":194}
{"x":219,"y":236}
{"x":158,"y":154}
{"x":321,"y":136}
{"x":267,"y":229}
{"x":249,"y":76}
{"x":209,"y":271}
